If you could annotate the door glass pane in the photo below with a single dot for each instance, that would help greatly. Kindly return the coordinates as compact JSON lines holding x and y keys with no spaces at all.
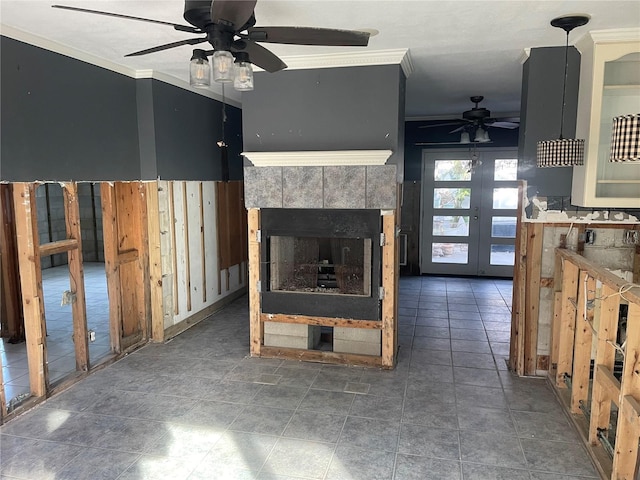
{"x":503,"y":227}
{"x":505,"y":169}
{"x":450,"y":253}
{"x":502,"y":254}
{"x":453,"y":225}
{"x":452,"y":197}
{"x":505,"y":198}
{"x":451,"y":170}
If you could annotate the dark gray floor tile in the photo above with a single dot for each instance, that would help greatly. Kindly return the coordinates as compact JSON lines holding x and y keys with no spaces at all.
{"x":431,"y":391}
{"x":42,"y":460}
{"x":435,"y":332}
{"x":476,"y":376}
{"x":385,"y":384}
{"x":557,"y":476}
{"x":83,"y":429}
{"x":185,"y":441}
{"x":472,"y":471}
{"x":234,"y":392}
{"x":236,"y":453}
{"x":410,"y":467}
{"x":97,"y":464}
{"x":373,"y":406}
{"x":475,"y":360}
{"x":259,"y":419}
{"x":545,"y":426}
{"x":500,"y":450}
{"x":429,"y":343}
{"x":469,"y":324}
{"x":472,"y":395}
{"x":336,"y":379}
{"x":299,"y":458}
{"x":319,"y":427}
{"x":468,"y":334}
{"x":499,"y":336}
{"x":557,"y":457}
{"x":427,"y":372}
{"x":471,"y":346}
{"x":430,"y":412}
{"x":457,"y":306}
{"x":279,"y":396}
{"x":360,"y":464}
{"x":150,"y":467}
{"x":216,"y":415}
{"x":429,"y":441}
{"x":370,"y":433}
{"x":325,"y":401}
{"x":132,"y":435}
{"x":487,"y":420}
{"x":437,"y":357}
{"x":441,"y":321}
{"x":521,"y":399}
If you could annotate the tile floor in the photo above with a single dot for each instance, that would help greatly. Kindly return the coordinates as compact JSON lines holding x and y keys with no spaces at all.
{"x":60,"y":348}
{"x":199,"y":408}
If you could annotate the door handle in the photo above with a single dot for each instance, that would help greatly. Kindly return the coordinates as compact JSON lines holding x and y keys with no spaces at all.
{"x":475,"y":217}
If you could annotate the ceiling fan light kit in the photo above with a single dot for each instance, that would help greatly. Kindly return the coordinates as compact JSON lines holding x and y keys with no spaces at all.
{"x":563,"y":152}
{"x":229,"y":28}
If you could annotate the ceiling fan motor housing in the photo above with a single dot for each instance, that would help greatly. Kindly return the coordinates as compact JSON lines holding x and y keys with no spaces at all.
{"x":198,"y":13}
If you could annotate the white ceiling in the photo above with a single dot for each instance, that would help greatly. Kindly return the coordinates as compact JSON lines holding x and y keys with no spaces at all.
{"x":458,"y":48}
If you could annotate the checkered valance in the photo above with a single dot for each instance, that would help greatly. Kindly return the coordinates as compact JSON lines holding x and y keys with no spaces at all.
{"x":566,"y":152}
{"x":625,"y":138}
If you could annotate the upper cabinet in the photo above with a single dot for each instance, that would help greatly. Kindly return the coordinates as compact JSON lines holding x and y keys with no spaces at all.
{"x":609,"y":87}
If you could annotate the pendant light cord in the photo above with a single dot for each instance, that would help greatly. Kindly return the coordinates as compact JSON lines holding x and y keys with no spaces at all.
{"x":564,"y":88}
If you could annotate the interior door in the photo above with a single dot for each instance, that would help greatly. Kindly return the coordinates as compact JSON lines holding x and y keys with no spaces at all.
{"x":468,"y":218}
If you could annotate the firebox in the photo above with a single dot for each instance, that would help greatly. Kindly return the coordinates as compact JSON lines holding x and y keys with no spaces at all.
{"x":321,"y":262}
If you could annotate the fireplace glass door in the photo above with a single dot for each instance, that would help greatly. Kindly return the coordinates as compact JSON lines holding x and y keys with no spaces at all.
{"x":320,"y":265}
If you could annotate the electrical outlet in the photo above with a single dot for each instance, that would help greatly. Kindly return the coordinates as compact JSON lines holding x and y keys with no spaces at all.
{"x":631,"y":237}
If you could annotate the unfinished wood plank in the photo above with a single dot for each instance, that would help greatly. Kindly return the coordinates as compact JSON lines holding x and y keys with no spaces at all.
{"x":210,"y":239}
{"x":155,"y":262}
{"x":11,"y":319}
{"x":625,"y":458}
{"x":555,"y":335}
{"x":321,"y":356}
{"x":532,"y":297}
{"x":566,"y":334}
{"x":3,"y":398}
{"x":516,"y":348}
{"x":31,"y":285}
{"x":110,"y":240}
{"x":389,"y":266}
{"x":203,"y":249}
{"x":187,"y":253}
{"x":76,"y":276}
{"x":636,"y":265}
{"x":322,"y":321}
{"x":194,"y":242}
{"x":174,"y":252}
{"x":582,"y":345}
{"x":59,"y":246}
{"x":607,"y":310}
{"x":256,"y":327}
{"x":543,"y":362}
{"x":128,"y":256}
{"x":608,"y":382}
{"x":546,"y":282}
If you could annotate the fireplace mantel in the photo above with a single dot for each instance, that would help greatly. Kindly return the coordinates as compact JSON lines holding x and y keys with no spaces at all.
{"x":318,"y":158}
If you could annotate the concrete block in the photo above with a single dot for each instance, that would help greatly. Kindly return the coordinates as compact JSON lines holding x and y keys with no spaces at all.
{"x":359,"y":348}
{"x":291,"y":335}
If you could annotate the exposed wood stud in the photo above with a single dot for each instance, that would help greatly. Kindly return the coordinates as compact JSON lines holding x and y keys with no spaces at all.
{"x":566,"y":332}
{"x":322,"y":321}
{"x":172,"y":223}
{"x":389,"y":284}
{"x":155,"y":262}
{"x":534,"y":252}
{"x":187,"y":252}
{"x":110,"y":240}
{"x":582,"y":345}
{"x":31,"y":285}
{"x":256,"y":327}
{"x":202,"y":243}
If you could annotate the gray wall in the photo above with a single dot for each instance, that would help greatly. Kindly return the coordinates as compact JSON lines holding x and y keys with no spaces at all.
{"x":347,"y":108}
{"x":542,"y":81}
{"x":63,"y":119}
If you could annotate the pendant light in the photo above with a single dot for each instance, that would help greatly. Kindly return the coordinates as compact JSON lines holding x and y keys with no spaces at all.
{"x":199,"y":69}
{"x":625,"y":138}
{"x":563,"y":152}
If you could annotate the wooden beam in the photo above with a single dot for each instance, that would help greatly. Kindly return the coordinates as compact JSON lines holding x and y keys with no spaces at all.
{"x":60,"y":246}
{"x":11,"y":318}
{"x":76,"y":276}
{"x":155,"y":262}
{"x":187,"y":252}
{"x":256,"y":327}
{"x":566,"y":334}
{"x":608,"y":382}
{"x":534,"y":253}
{"x":111,"y":265}
{"x":321,"y":356}
{"x":128,"y":256}
{"x":322,"y":321}
{"x":625,"y":458}
{"x":516,"y":349}
{"x":389,"y":267}
{"x":607,"y":311}
{"x":31,"y":285}
{"x":582,"y":345}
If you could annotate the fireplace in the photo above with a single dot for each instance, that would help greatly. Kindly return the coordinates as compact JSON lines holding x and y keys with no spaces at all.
{"x":321,"y":262}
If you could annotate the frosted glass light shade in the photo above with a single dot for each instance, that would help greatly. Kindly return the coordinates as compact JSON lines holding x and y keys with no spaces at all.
{"x":242,"y":76}
{"x":199,"y":70}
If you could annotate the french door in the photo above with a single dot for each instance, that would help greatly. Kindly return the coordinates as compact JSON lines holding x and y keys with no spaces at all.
{"x":468,"y":214}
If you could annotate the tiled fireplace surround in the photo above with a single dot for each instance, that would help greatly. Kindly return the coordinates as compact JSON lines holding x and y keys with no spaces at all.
{"x":327,"y":187}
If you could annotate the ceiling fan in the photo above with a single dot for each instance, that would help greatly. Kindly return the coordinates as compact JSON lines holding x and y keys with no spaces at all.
{"x":474,"y":121}
{"x":229,"y":26}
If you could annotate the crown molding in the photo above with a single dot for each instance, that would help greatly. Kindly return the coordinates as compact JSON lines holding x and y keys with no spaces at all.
{"x":399,"y":56}
{"x":91,"y":59}
{"x":318,"y":158}
{"x":615,"y":35}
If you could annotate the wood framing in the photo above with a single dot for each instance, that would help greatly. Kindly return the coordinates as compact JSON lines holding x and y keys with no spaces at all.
{"x":10,"y":298}
{"x":598,"y":311}
{"x":516,"y":344}
{"x":155,"y":262}
{"x":389,"y":287}
{"x":256,"y":327}
{"x":532,"y":297}
{"x":31,"y":286}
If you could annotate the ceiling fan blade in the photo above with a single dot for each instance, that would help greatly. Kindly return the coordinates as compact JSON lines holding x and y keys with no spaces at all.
{"x":159,"y":48}
{"x":309,"y":36}
{"x":446,"y":124}
{"x":258,"y":55}
{"x":459,"y":129}
{"x":509,"y":125}
{"x":235,"y":12}
{"x":182,"y":28}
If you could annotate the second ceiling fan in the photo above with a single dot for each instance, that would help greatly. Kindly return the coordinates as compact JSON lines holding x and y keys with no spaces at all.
{"x":474,"y":123}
